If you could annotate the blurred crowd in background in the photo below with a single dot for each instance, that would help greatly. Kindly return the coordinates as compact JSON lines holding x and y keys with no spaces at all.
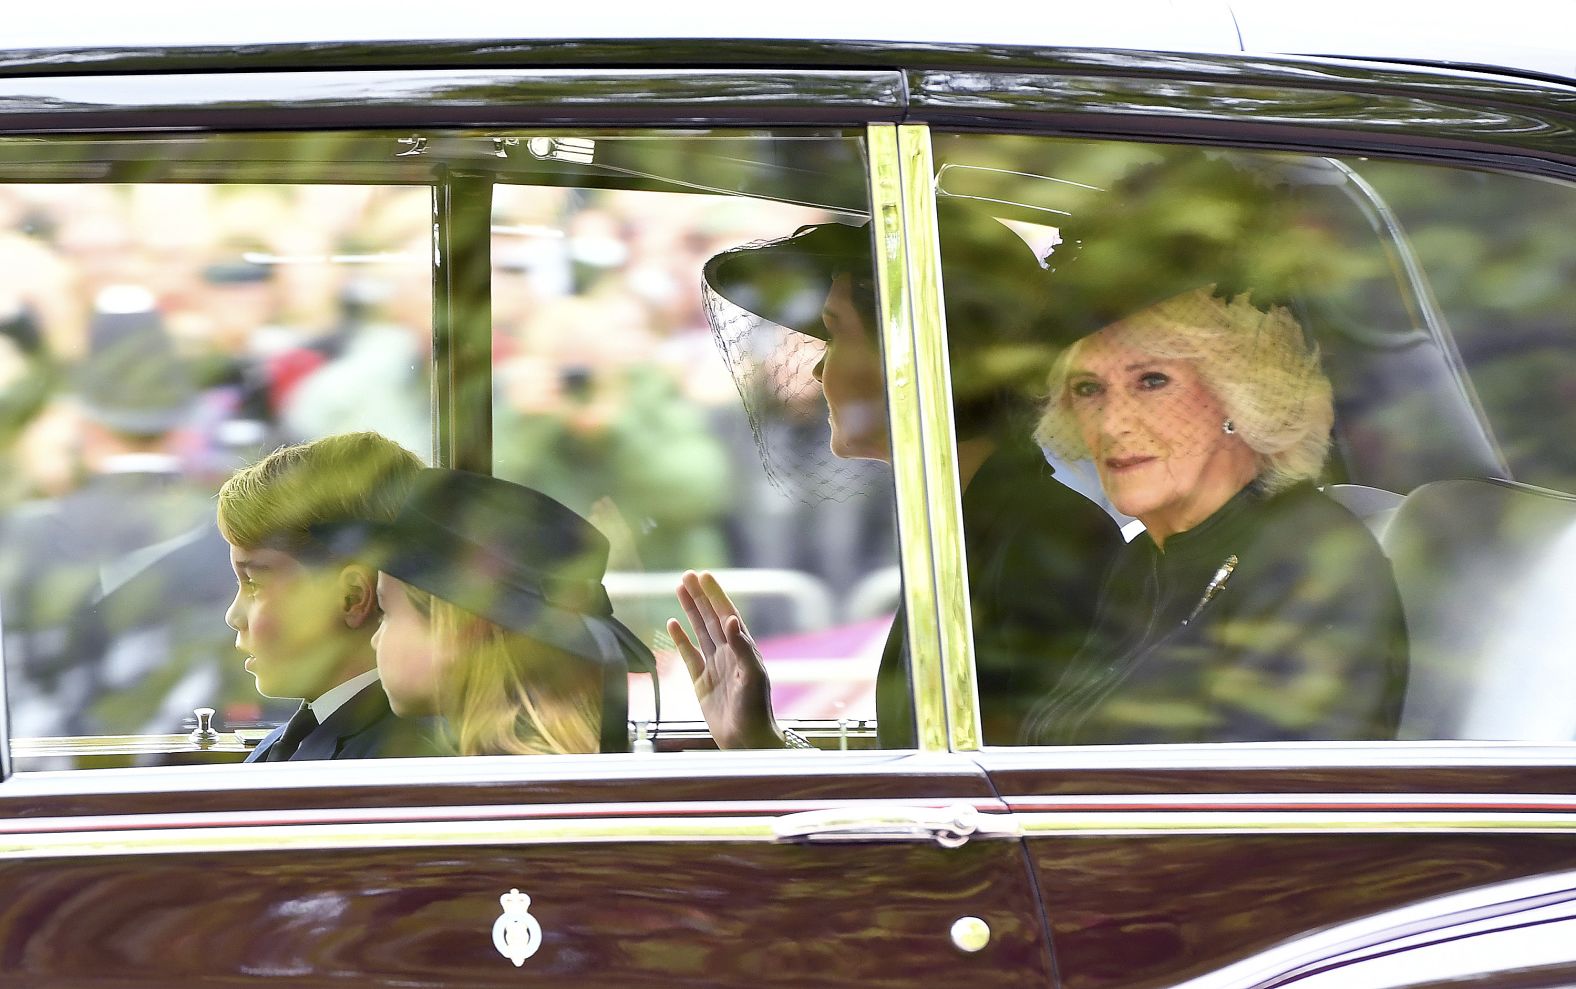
{"x":155,"y":337}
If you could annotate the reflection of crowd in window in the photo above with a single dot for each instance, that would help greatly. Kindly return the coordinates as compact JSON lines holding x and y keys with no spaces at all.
{"x":235,"y":319}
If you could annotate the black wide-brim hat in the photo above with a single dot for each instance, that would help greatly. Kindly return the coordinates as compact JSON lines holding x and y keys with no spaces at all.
{"x":506,"y":553}
{"x":785,"y":281}
{"x":993,"y":287}
{"x":1190,"y":221}
{"x":1194,"y":220}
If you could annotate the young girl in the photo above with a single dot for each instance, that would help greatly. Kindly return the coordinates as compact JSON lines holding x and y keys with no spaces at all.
{"x":495,"y":618}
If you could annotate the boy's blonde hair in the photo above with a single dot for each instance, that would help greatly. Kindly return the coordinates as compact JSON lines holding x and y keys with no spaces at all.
{"x":352,"y":476}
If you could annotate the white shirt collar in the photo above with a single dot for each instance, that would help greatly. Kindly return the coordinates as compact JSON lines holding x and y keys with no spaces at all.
{"x":335,"y":697}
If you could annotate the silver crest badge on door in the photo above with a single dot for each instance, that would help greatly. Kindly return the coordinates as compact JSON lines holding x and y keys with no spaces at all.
{"x":516,"y":934}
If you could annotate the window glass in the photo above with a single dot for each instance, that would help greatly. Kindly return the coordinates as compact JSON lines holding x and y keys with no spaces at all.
{"x":650,"y":374}
{"x":155,"y":336}
{"x":1498,"y":256}
{"x":1264,"y":446}
{"x":177,"y":310}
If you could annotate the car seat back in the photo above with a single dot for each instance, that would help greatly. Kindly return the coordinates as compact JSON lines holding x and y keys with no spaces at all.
{"x":1485,"y":570}
{"x":1375,"y":506}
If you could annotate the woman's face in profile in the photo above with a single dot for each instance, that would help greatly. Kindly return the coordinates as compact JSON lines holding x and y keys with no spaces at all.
{"x":851,"y":376}
{"x":1155,"y":433}
{"x":407,"y":654}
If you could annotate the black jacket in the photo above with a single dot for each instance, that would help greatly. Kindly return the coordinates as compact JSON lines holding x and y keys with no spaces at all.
{"x":1304,"y":639}
{"x":1035,"y":548}
{"x":361,"y":728}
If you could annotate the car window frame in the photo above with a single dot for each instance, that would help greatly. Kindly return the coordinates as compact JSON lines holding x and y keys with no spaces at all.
{"x":305,"y":102}
{"x":1209,"y":100}
{"x":1460,"y":119}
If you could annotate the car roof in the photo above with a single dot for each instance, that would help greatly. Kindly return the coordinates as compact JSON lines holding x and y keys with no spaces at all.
{"x":1423,"y":31}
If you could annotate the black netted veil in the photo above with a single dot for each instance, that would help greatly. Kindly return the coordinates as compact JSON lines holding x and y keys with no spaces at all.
{"x":772,"y":360}
{"x":764,"y":303}
{"x":1199,"y":260}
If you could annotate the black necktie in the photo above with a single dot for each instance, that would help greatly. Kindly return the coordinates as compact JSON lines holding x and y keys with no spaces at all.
{"x":297,"y":728}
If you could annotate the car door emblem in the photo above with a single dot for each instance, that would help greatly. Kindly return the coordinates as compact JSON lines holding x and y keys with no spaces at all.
{"x":516,"y":934}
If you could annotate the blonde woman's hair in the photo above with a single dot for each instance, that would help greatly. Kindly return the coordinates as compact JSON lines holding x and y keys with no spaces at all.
{"x":338,"y":478}
{"x":1257,"y":364}
{"x":503,"y":693}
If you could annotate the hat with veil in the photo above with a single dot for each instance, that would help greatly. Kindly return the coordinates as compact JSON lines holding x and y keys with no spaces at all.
{"x":764,"y":300}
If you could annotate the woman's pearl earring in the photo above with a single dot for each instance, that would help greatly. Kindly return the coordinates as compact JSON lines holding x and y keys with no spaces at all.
{"x":1228,"y":427}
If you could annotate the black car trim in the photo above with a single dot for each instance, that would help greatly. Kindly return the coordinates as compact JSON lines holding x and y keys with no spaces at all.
{"x":1358,"y":119}
{"x":1043,"y":809}
{"x":474,"y":813}
{"x":446,"y":98}
{"x":945,"y":81}
{"x":700,"y":53}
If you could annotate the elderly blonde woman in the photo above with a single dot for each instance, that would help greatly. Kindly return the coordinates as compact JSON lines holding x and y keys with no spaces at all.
{"x":1252,"y":607}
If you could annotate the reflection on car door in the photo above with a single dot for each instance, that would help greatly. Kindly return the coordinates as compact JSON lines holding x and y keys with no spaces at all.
{"x":1155,"y":869}
{"x":837,"y":871}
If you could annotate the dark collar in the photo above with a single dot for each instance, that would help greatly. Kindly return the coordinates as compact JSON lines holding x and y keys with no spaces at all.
{"x":1229,"y":524}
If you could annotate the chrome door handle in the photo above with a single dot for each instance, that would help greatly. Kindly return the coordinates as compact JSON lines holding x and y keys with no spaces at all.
{"x":949,"y":827}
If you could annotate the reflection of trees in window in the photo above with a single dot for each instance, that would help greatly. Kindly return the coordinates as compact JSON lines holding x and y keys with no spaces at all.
{"x":1502,"y":264}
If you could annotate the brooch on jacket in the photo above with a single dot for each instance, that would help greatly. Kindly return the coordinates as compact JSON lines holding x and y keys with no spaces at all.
{"x":1213,"y":587}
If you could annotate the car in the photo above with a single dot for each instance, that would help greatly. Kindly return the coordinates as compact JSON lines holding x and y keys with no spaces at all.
{"x":222,"y":239}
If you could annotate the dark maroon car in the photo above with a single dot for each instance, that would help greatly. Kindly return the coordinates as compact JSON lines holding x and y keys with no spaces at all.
{"x":491,"y":251}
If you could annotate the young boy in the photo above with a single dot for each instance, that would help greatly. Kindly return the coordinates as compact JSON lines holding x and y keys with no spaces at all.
{"x":305,"y":616}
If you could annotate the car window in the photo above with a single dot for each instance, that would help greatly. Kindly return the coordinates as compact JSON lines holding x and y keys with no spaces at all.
{"x":1258,"y":447}
{"x":156,"y":336}
{"x":1498,"y":259}
{"x":650,"y":372}
{"x":176,"y":310}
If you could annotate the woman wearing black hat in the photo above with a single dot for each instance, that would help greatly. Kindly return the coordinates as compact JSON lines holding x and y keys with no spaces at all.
{"x":1035,"y":547}
{"x":1253,"y":607}
{"x":495,"y":617}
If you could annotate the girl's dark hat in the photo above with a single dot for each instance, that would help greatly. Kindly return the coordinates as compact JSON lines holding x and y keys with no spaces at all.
{"x":506,"y":553}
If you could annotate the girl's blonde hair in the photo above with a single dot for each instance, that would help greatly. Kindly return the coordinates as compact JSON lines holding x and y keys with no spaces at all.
{"x":1256,"y":363}
{"x":503,"y":693}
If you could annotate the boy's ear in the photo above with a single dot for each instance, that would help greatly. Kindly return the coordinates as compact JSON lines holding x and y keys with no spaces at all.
{"x":358,"y":593}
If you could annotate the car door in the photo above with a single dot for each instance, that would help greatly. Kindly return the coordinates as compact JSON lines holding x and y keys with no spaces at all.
{"x":125,"y":865}
{"x":853,"y":873}
{"x":1165,"y":859}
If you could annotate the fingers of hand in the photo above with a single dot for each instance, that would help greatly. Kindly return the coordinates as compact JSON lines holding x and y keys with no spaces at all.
{"x":705,"y":605}
{"x":738,"y":639}
{"x":718,"y":597}
{"x":695,"y":610}
{"x":687,"y":651}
